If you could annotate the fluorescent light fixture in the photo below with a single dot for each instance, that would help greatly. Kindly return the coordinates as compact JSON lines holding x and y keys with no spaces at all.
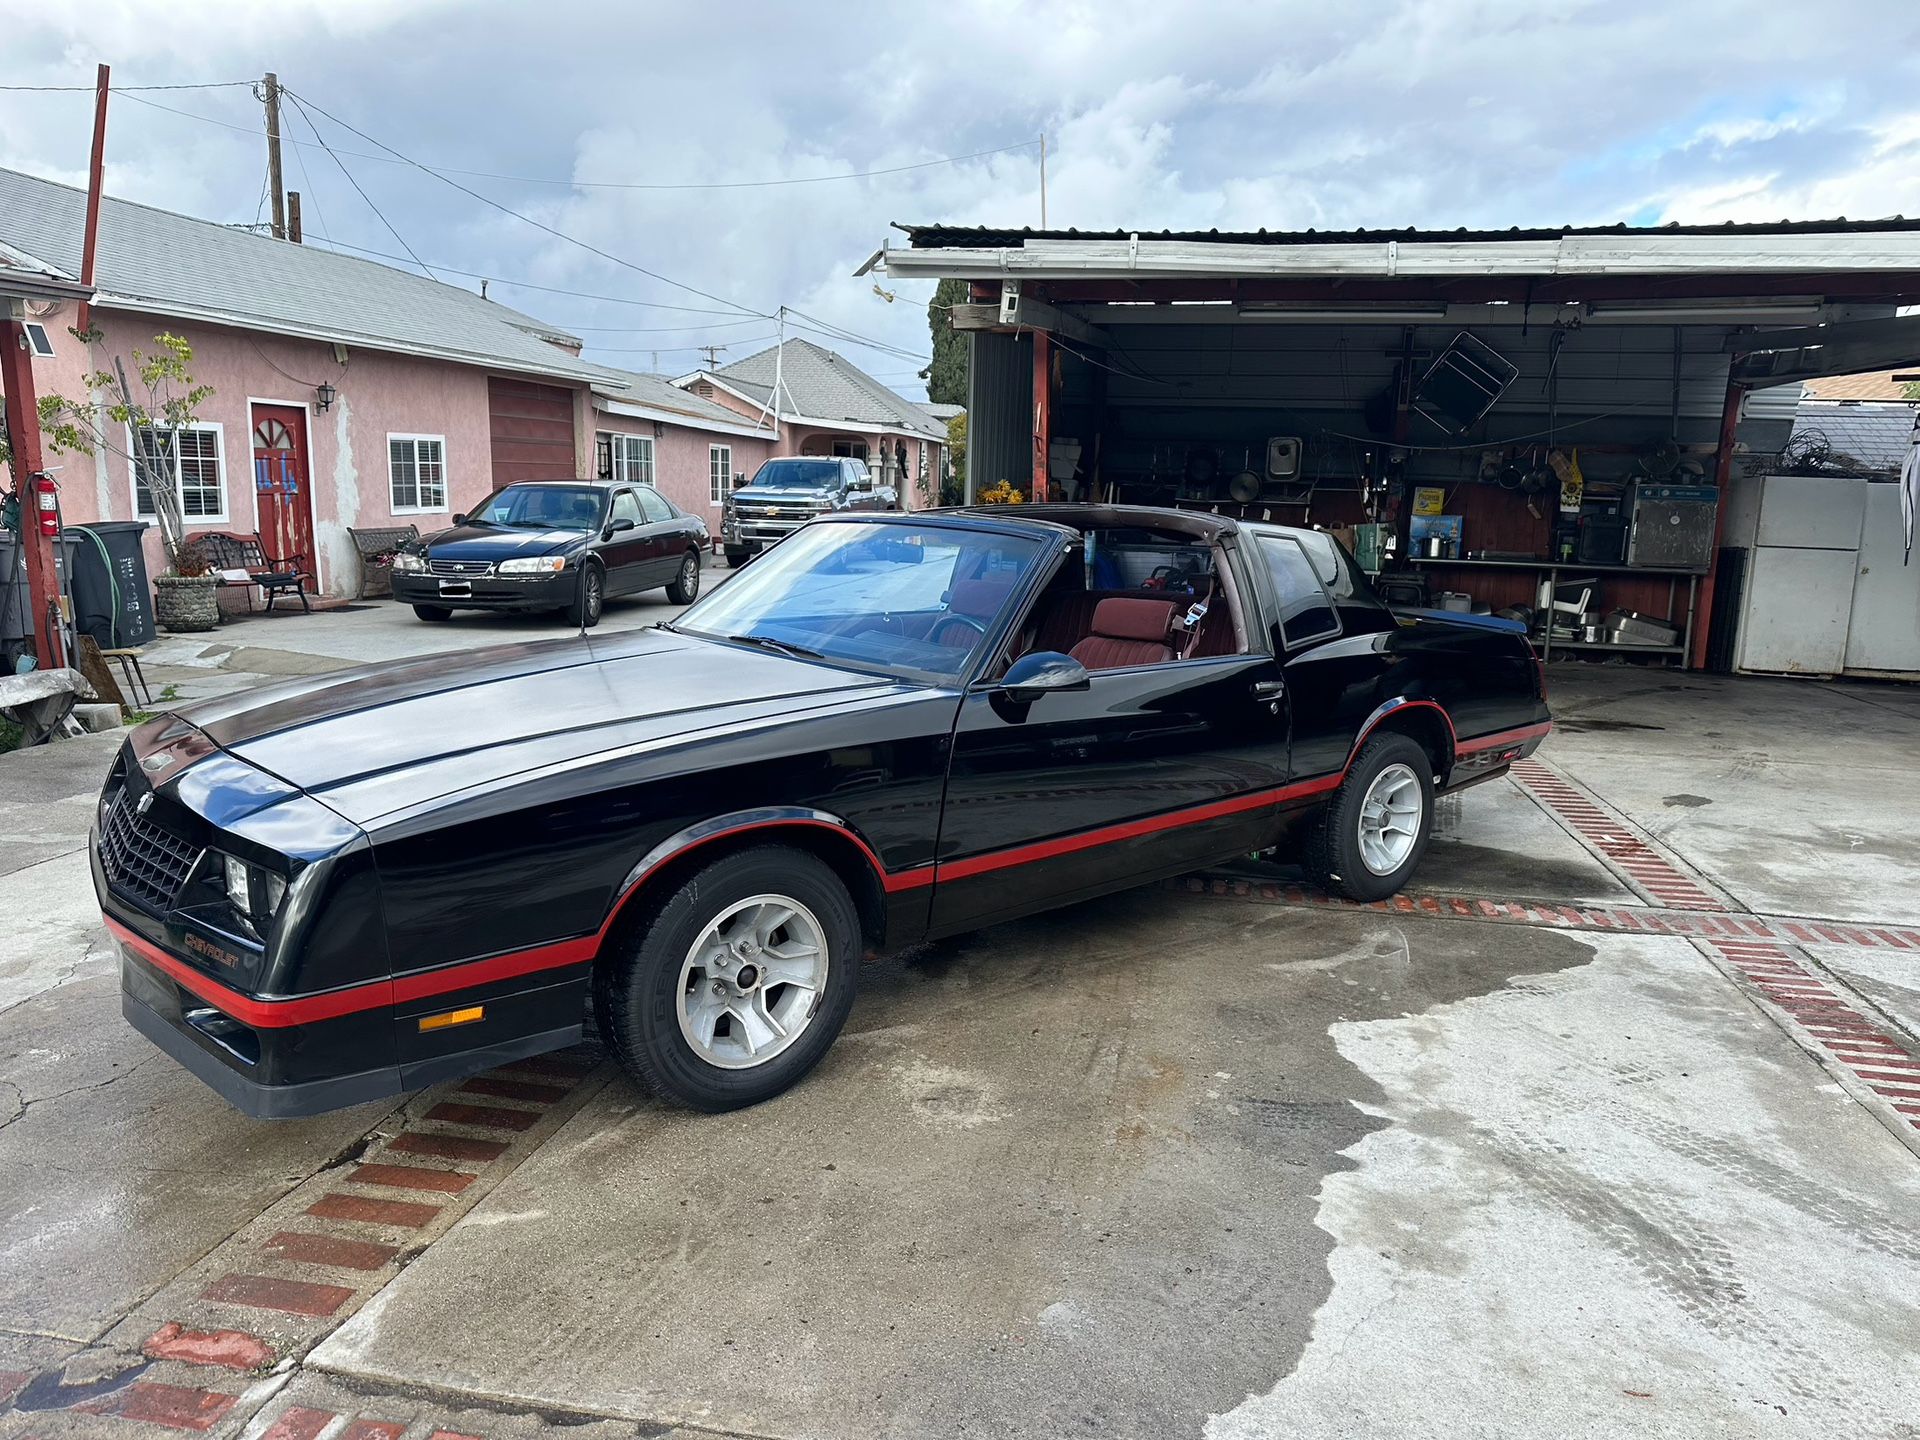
{"x":1313,"y":315}
{"x":1734,"y":312}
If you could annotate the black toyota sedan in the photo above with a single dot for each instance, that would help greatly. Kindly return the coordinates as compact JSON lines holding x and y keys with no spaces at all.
{"x":560,"y":545}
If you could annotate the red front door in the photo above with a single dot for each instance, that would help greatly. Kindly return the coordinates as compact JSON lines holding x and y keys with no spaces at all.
{"x":280,"y":484}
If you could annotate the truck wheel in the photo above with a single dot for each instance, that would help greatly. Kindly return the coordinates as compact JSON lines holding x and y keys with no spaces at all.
{"x":686,"y":585}
{"x":1374,"y":831}
{"x":435,"y":613}
{"x":737,"y":558}
{"x":733,"y":987}
{"x":583,"y":612}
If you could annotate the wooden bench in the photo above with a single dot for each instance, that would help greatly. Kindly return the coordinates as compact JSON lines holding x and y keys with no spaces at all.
{"x":377,"y":580}
{"x":241,"y":561}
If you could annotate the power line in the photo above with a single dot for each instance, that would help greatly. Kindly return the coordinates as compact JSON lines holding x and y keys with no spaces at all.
{"x":397,"y":159}
{"x":125,"y":89}
{"x":355,"y":183}
{"x":301,"y":160}
{"x":541,"y":225}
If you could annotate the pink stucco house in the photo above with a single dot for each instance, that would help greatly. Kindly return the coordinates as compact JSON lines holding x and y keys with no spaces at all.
{"x":349,"y":395}
{"x":829,"y":406}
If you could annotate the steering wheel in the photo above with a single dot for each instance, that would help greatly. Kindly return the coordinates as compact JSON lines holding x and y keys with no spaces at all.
{"x":979,"y":630}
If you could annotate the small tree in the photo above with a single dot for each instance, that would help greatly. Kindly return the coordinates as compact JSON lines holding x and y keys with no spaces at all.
{"x":153,"y":409}
{"x":954,"y":491}
{"x":946,"y":376}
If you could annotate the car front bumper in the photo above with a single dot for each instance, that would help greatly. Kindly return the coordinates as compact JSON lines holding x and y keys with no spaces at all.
{"x":489,"y":592}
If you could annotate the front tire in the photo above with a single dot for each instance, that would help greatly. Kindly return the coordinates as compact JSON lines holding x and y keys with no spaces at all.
{"x":583,"y":611}
{"x":1369,"y":841}
{"x":737,"y":558}
{"x":686,"y":585}
{"x":733,"y":986}
{"x":434,"y":614}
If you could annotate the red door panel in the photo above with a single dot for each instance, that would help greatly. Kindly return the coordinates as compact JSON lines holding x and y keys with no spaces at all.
{"x":280,"y":488}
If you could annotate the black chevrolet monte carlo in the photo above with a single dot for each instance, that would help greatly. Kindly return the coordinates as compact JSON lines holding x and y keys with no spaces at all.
{"x":889,"y":728}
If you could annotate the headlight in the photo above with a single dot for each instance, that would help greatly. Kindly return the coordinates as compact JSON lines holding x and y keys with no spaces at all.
{"x":542,"y":565}
{"x":254,"y":893}
{"x":407,"y":563}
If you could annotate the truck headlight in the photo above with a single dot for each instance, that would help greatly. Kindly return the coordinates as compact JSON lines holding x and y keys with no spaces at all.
{"x":254,"y":892}
{"x":407,"y":563}
{"x":534,"y":565}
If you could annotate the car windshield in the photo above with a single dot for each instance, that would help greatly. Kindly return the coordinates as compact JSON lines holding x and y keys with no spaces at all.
{"x":543,"y":507}
{"x":798,"y":474}
{"x":899,"y":598}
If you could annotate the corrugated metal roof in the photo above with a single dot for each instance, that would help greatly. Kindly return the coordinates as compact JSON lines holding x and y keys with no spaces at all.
{"x":826,"y":386}
{"x":174,"y":264}
{"x":993,"y":237}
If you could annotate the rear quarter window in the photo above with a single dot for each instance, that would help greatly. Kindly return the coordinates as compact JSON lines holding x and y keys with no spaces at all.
{"x":1306,"y":610}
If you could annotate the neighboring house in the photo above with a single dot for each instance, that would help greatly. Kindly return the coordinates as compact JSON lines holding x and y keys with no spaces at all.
{"x":1853,"y":437}
{"x":647,"y":429}
{"x":1877,"y":385}
{"x":942,"y":412}
{"x":830,"y":406}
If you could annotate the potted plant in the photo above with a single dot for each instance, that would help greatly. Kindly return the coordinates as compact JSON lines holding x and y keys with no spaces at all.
{"x":152,"y":413}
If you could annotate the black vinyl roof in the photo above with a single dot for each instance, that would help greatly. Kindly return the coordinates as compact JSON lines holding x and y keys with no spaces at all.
{"x":934,"y":237}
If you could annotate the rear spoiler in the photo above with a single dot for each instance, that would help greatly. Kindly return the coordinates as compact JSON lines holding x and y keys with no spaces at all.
{"x":1462,"y":617}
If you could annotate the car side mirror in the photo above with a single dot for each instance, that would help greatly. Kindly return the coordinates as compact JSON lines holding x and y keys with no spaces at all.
{"x":459,"y":519}
{"x":615,"y":526}
{"x":1042,"y":673}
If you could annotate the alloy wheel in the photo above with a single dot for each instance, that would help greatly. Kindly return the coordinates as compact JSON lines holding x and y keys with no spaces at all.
{"x":752,"y":981}
{"x":690,"y":577}
{"x":1390,"y":819}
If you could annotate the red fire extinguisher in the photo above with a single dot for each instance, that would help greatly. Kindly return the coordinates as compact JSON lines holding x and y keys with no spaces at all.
{"x":44,"y":491}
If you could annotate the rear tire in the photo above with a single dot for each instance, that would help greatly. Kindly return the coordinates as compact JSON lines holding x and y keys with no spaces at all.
{"x":686,"y":585}
{"x":435,"y":614}
{"x":1369,"y":840}
{"x":670,"y":1001}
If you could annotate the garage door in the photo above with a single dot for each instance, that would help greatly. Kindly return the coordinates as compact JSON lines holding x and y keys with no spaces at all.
{"x":531,"y":429}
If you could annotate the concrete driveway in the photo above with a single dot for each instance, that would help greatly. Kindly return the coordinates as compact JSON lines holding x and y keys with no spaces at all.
{"x":1608,"y":1128}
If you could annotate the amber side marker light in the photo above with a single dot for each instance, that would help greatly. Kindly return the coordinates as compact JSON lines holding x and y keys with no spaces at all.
{"x":446,"y":1020}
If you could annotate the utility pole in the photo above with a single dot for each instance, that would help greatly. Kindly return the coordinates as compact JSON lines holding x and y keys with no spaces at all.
{"x":271,"y":85}
{"x":1043,"y":179}
{"x":90,"y":242}
{"x":713,"y":355}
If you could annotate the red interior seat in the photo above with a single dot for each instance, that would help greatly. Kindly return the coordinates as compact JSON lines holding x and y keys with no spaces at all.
{"x":1127,"y":632}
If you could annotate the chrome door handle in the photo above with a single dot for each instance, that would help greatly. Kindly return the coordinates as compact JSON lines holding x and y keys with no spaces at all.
{"x":1269,"y":689}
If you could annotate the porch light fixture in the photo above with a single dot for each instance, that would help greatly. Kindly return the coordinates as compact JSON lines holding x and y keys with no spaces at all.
{"x":324,"y":393}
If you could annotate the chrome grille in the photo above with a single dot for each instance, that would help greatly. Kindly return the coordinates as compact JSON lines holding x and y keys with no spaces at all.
{"x":459,"y":567}
{"x":795,"y":510}
{"x":141,"y":859}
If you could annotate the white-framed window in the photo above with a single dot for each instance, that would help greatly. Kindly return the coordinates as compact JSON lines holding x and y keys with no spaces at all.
{"x":38,"y":342}
{"x":417,"y":473}
{"x":633,"y":459}
{"x":198,"y":462}
{"x":719,"y":472}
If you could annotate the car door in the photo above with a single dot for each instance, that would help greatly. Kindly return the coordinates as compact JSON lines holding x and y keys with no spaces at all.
{"x":665,"y":537}
{"x":625,"y":551}
{"x":1150,"y":771}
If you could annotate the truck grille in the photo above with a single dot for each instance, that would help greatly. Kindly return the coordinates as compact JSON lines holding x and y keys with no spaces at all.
{"x":141,"y":859}
{"x":459,"y":567}
{"x":792,"y":511}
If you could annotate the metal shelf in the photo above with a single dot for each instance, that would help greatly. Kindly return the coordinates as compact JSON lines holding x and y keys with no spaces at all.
{"x":1569,"y":565}
{"x":1556,"y":568}
{"x":1618,"y":645}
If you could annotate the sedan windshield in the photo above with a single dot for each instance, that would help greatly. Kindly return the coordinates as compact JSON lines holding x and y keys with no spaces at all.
{"x":899,"y":598}
{"x":798,"y":474}
{"x":543,"y":507}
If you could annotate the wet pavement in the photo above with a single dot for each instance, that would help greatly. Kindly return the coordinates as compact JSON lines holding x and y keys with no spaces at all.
{"x":1537,"y":1153}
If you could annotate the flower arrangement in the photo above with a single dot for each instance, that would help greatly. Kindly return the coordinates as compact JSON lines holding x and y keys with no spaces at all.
{"x":1003,"y":493}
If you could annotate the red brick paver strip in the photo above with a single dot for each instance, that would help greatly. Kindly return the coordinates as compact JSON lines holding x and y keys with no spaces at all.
{"x":406,"y":1213}
{"x":515,"y":1090}
{"x":412,"y":1177}
{"x":488,"y":1117}
{"x":177,"y":1407}
{"x":234,"y":1349}
{"x":264,"y":1292}
{"x":374,"y":1430}
{"x":298,"y":1422}
{"x":302,"y":1248}
{"x":447,"y":1147}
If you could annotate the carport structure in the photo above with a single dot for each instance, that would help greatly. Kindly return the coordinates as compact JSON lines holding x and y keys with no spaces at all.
{"x":1343,"y":379}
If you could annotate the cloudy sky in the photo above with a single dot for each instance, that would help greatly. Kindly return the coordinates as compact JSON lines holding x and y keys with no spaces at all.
{"x":648,"y":130}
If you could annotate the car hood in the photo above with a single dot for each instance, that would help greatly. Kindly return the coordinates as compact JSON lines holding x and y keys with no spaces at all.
{"x":494,"y":542}
{"x":374,"y":740}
